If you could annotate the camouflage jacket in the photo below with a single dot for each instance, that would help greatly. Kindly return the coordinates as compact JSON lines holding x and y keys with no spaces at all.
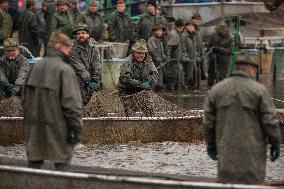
{"x":14,"y":71}
{"x":95,"y":23}
{"x":120,"y":27}
{"x":63,"y":22}
{"x":146,"y":23}
{"x":86,"y":61}
{"x":239,"y":118}
{"x":157,"y":50}
{"x":6,"y":24}
{"x":132,"y":74}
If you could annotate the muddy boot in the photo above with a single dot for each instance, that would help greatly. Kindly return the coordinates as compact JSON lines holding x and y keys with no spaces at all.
{"x":35,"y":164}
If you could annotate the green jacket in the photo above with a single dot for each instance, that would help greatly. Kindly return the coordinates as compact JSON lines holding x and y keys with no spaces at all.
{"x":6,"y":24}
{"x":63,"y":22}
{"x":239,"y":118}
{"x":52,"y":107}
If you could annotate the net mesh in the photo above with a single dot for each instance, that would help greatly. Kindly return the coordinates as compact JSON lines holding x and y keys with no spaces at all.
{"x":11,"y":107}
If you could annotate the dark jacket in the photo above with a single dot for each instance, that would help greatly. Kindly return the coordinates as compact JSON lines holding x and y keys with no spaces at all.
{"x":28,"y":31}
{"x":157,"y":50}
{"x":239,"y":118}
{"x":63,"y":22}
{"x":95,"y":23}
{"x":146,"y":23}
{"x":14,"y":71}
{"x":6,"y":25}
{"x":120,"y":27}
{"x":52,"y":109}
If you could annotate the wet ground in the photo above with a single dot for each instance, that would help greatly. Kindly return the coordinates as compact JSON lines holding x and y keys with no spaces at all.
{"x":167,"y":157}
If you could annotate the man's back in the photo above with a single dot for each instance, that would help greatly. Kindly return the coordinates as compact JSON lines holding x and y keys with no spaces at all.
{"x":239,"y":117}
{"x":52,"y":107}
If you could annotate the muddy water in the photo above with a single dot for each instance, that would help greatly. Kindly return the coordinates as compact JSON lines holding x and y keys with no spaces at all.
{"x":194,"y":99}
{"x":167,"y":157}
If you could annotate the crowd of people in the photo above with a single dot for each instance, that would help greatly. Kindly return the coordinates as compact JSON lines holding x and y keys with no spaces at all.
{"x":239,"y":119}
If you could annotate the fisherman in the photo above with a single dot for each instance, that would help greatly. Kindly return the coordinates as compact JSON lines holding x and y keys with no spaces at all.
{"x":157,"y":50}
{"x":52,"y":107}
{"x":190,"y":54}
{"x":119,"y":24}
{"x":137,"y":73}
{"x":94,"y":21}
{"x":149,"y":20}
{"x":197,"y":20}
{"x":239,"y":121}
{"x":6,"y":22}
{"x":28,"y":29}
{"x":63,"y":20}
{"x":221,"y":47}
{"x":86,"y":61}
{"x":13,"y":69}
{"x":174,"y":71}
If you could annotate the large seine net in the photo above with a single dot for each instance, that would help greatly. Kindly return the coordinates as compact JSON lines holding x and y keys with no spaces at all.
{"x":141,"y":104}
{"x":11,"y":107}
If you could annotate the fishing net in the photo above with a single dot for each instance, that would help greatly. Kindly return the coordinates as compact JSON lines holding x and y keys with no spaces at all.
{"x":11,"y":107}
{"x":141,"y":104}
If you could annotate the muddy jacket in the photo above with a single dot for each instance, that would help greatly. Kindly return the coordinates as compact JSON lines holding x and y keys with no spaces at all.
{"x":120,"y":27}
{"x":52,"y":109}
{"x":95,"y":23}
{"x":63,"y":22}
{"x":132,"y":74}
{"x":6,"y":25}
{"x":28,"y":31}
{"x":146,"y":23}
{"x":14,"y":71}
{"x":157,"y":48}
{"x":239,"y":117}
{"x":86,"y":61}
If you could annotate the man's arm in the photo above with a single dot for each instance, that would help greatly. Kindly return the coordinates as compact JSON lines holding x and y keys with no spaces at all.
{"x":23,"y":72}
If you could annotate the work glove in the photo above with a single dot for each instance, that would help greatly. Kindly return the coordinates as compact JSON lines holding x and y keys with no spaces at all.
{"x":92,"y":86}
{"x":145,"y":85}
{"x":16,"y":91}
{"x":212,"y":151}
{"x":7,"y":87}
{"x":73,"y":138}
{"x":274,"y":151}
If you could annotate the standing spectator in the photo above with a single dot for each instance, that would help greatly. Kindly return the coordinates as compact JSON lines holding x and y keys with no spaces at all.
{"x":190,"y":54}
{"x":119,"y":24}
{"x":72,"y":8}
{"x":42,"y":25}
{"x":157,"y":50}
{"x":221,"y":44}
{"x":28,"y":29}
{"x":13,"y":69}
{"x":197,"y":20}
{"x":94,"y":21}
{"x":239,"y":121}
{"x":174,"y":71}
{"x":52,"y":107}
{"x":149,"y":20}
{"x":86,"y":61}
{"x":6,"y":22}
{"x":137,"y":73}
{"x":63,"y":20}
{"x":50,"y":11}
